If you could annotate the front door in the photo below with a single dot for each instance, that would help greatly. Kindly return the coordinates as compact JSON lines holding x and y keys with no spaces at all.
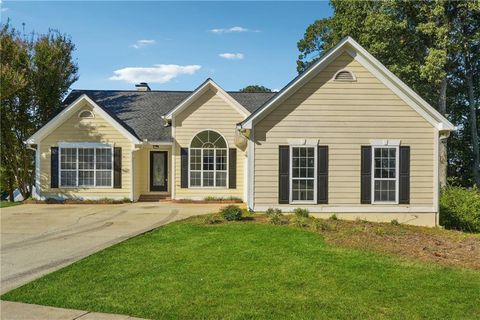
{"x":158,"y":170}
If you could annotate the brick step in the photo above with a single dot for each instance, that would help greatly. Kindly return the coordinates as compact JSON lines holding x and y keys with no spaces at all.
{"x":154,"y":197}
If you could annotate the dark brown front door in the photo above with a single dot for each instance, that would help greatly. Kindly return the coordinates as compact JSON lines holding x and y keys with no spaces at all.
{"x":158,"y":171}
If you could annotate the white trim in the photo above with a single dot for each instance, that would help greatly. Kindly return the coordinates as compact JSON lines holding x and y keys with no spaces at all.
{"x":397,"y":167}
{"x":303,"y":142}
{"x":385,"y":142}
{"x":133,"y":158}
{"x":68,"y":111}
{"x":214,"y":162}
{"x":315,"y":161}
{"x":352,"y":209}
{"x":371,"y":64}
{"x":159,"y":143}
{"x":354,"y":77}
{"x":92,"y":115}
{"x":251,"y":170}
{"x":208,"y":84}
{"x":436,"y":173}
{"x":65,"y":144}
{"x":174,"y":160}
{"x":37,"y":172}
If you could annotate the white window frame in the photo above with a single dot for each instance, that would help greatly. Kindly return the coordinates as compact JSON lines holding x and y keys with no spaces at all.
{"x":84,"y":145}
{"x":214,"y":164}
{"x":315,"y":164}
{"x":397,"y":167}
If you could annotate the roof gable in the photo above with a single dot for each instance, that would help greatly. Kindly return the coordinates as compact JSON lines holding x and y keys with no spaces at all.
{"x":72,"y":109}
{"x":209,"y":84}
{"x":374,"y":66}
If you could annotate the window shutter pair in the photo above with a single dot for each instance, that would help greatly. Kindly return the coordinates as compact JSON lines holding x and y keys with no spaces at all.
{"x":232,"y":168}
{"x":403,"y":175}
{"x":284,"y":175}
{"x":117,"y":167}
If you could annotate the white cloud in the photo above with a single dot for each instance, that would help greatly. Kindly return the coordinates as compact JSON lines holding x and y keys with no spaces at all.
{"x":232,"y":56}
{"x":230,"y":30}
{"x":275,"y":90}
{"x":142,"y":43}
{"x":159,"y":73}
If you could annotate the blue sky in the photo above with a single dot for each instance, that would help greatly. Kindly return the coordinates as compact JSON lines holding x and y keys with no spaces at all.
{"x":176,"y":45}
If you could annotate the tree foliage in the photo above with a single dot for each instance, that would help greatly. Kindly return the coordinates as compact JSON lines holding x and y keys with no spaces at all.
{"x":255,"y":88}
{"x":433,"y":46}
{"x":36,"y":73}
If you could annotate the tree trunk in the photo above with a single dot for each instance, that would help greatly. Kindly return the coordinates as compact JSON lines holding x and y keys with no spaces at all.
{"x":474,"y":130}
{"x":10,"y":190}
{"x":442,"y":108}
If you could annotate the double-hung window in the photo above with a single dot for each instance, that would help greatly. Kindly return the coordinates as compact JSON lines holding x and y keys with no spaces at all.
{"x":208,"y":160}
{"x":303,"y":168}
{"x":86,"y":165}
{"x":385,"y":174}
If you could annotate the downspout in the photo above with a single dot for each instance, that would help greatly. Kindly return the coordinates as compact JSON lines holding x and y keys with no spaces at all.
{"x":36,"y":194}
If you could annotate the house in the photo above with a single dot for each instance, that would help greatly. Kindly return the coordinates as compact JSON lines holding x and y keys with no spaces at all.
{"x":346,"y":137}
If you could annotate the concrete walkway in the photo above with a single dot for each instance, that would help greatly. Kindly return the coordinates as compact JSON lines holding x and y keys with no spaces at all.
{"x":23,"y":311}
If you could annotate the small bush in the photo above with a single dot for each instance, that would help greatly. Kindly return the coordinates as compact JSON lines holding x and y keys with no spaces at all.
{"x":460,"y":209}
{"x":299,"y":221}
{"x":394,"y":222}
{"x":320,"y":225}
{"x":301,"y":212}
{"x":276,"y":217}
{"x":273,"y":211}
{"x":232,"y":213}
{"x":333,"y":217}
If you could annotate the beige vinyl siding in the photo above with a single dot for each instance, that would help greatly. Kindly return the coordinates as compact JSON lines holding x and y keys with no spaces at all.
{"x":94,"y":129}
{"x":210,"y":111}
{"x":344,"y":116}
{"x":142,"y":169}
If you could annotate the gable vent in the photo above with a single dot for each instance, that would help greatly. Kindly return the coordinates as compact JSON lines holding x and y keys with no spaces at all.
{"x":344,"y":75}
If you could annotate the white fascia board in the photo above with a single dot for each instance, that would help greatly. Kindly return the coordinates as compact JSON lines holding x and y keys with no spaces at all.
{"x":70,"y":110}
{"x":208,"y":84}
{"x":374,"y":66}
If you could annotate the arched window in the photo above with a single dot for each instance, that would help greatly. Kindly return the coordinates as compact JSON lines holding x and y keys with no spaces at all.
{"x":208,"y":160}
{"x":85,"y":114}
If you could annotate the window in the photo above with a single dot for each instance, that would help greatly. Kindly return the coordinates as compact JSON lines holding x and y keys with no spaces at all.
{"x":208,"y":160}
{"x":86,"y":166}
{"x":303,"y":173}
{"x":385,"y":174}
{"x":85,"y":114}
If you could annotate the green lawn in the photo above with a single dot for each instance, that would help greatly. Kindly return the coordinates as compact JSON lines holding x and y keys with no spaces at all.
{"x":188,"y":270}
{"x":6,"y":204}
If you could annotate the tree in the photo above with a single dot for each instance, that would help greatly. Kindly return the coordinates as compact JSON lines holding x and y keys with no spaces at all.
{"x":36,"y":75}
{"x":255,"y":88}
{"x":416,"y":40}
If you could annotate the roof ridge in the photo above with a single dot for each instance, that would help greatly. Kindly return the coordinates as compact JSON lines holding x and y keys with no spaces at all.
{"x":179,"y":91}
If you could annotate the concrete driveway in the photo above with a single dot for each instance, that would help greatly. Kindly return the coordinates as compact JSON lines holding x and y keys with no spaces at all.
{"x":37,"y":239}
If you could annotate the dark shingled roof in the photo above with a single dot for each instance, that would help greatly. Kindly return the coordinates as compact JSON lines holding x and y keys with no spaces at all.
{"x":140,"y":112}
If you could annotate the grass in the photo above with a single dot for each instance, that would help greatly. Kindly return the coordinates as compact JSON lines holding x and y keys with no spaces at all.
{"x":6,"y":204}
{"x":189,"y":270}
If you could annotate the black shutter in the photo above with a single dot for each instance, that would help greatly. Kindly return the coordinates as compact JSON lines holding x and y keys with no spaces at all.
{"x":366,"y":175}
{"x":117,"y":167}
{"x":284,"y":174}
{"x":53,"y":167}
{"x":232,"y":168}
{"x":184,"y":168}
{"x":404,"y":176}
{"x":322,"y":175}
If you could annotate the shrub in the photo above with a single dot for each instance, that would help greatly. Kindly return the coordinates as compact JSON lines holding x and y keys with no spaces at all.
{"x":232,"y":213}
{"x":300,"y":212}
{"x":273,"y":211}
{"x":460,"y":209}
{"x":299,"y":221}
{"x":320,"y":225}
{"x":333,"y":217}
{"x":276,"y":217}
{"x":394,"y":222}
